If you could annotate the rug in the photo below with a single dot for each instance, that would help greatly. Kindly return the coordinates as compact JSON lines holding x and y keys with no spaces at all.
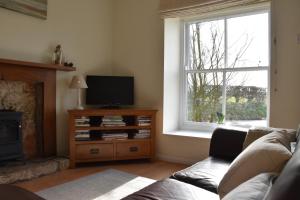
{"x":109,"y":185}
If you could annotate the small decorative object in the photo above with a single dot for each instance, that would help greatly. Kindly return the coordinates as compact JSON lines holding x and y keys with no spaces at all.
{"x":220,"y":117}
{"x":35,"y":8}
{"x":68,"y":64}
{"x":78,"y":83}
{"x":57,"y":55}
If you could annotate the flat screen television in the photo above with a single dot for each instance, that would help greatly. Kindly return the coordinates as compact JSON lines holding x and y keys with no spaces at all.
{"x":110,"y":91}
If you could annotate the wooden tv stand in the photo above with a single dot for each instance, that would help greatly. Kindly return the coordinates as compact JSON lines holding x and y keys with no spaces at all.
{"x":95,"y":150}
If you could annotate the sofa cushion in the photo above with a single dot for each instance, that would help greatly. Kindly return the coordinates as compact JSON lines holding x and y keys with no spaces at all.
{"x":267,"y":154}
{"x":16,"y":193}
{"x":205,"y":174}
{"x":171,"y":189}
{"x":287,"y":184}
{"x":255,"y":188}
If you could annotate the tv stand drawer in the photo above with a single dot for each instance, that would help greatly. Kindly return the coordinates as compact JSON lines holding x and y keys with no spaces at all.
{"x":94,"y":151}
{"x":133,"y":149}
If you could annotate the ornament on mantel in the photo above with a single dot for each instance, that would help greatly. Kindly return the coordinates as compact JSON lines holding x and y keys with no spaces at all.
{"x":57,"y":57}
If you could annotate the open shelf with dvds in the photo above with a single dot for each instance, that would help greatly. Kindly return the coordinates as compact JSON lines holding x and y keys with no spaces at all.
{"x":111,"y":134}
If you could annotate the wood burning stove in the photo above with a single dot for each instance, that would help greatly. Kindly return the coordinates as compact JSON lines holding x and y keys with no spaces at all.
{"x":10,"y":135}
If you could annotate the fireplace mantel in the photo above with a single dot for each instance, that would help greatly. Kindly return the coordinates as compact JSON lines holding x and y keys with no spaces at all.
{"x":43,"y":75}
{"x":36,"y":65}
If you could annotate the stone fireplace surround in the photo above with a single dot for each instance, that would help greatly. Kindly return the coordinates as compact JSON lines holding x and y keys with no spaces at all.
{"x":19,"y":96}
{"x":39,"y":79}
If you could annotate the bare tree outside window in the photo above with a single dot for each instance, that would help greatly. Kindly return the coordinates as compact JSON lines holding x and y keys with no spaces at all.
{"x":215,"y":79}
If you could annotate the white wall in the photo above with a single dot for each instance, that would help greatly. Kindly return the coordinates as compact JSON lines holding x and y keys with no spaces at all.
{"x":172,"y":63}
{"x":84,"y":28}
{"x":285,"y":106}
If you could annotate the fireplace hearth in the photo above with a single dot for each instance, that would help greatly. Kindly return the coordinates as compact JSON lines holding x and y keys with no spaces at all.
{"x":10,"y":136}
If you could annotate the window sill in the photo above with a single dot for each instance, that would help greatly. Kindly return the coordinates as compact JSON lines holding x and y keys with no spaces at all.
{"x":201,"y":133}
{"x":192,"y":134}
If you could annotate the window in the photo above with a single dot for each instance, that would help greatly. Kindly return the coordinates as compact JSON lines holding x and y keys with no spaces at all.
{"x":225,"y":77}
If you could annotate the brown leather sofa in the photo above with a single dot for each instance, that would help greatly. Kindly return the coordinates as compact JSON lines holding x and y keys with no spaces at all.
{"x":11,"y":192}
{"x":201,"y":180}
{"x":225,"y":146}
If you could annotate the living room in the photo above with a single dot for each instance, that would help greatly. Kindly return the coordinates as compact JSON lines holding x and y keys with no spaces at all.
{"x":127,"y":38}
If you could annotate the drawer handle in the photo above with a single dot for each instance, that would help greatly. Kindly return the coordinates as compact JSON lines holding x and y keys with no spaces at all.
{"x":133,"y":149}
{"x":94,"y":151}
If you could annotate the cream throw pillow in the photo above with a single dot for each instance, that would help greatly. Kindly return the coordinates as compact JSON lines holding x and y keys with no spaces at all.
{"x":255,"y":188}
{"x":267,"y":154}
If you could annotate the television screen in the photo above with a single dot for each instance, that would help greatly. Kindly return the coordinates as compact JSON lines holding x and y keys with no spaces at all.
{"x":109,"y":90}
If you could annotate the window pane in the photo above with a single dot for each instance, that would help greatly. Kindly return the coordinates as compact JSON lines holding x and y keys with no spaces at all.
{"x":248,"y":41}
{"x":206,"y":45}
{"x":246,"y":100}
{"x":204,"y":96}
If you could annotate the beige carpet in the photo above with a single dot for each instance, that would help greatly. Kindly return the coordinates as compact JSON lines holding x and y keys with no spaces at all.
{"x":110,"y":185}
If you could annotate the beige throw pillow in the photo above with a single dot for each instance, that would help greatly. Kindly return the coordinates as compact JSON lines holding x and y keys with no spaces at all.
{"x":257,"y":132}
{"x":267,"y":154}
{"x":254,"y":133}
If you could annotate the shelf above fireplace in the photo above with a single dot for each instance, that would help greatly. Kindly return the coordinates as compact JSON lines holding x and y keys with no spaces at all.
{"x":36,"y":65}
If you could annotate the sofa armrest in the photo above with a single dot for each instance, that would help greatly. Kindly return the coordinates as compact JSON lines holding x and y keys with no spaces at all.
{"x":172,"y":189}
{"x":16,"y":193}
{"x":227,"y":143}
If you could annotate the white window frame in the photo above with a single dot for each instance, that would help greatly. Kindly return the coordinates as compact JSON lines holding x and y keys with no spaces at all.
{"x":184,"y":124}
